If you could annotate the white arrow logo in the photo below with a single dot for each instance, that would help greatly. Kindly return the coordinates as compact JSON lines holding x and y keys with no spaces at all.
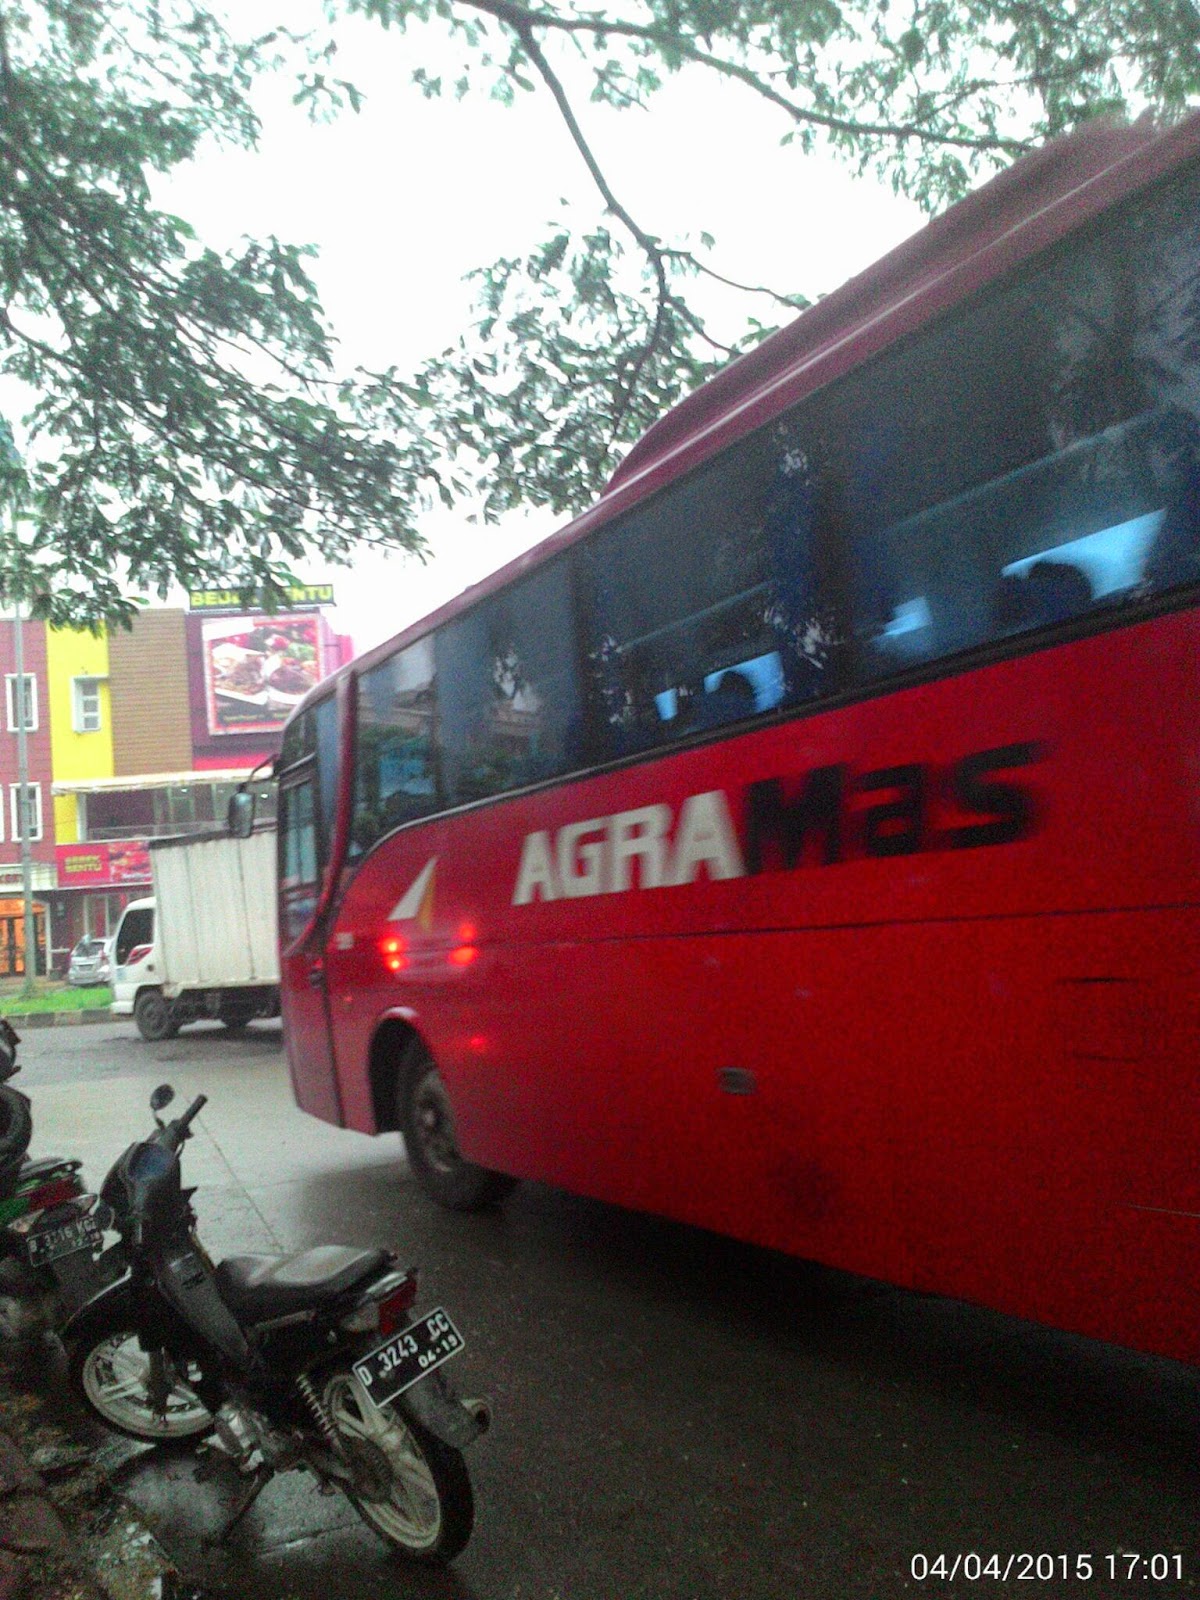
{"x":417,"y":901}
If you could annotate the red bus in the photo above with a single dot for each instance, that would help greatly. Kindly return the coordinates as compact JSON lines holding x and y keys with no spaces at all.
{"x":805,"y":842}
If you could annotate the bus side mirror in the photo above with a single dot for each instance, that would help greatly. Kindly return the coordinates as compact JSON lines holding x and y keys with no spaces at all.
{"x":240,"y":816}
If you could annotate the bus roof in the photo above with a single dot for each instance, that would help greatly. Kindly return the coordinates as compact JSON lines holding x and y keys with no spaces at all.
{"x":1018,"y":213}
{"x":1031,"y":188}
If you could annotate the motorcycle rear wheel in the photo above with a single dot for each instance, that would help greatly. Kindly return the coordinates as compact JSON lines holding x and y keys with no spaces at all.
{"x":114,"y":1377}
{"x":420,"y":1501}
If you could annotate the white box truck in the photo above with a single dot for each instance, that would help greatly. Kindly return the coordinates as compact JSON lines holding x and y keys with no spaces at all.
{"x":206,"y":944}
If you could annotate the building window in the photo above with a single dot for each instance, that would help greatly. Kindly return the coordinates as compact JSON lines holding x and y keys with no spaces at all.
{"x":30,"y":698}
{"x":34,"y":804}
{"x":85,"y":705}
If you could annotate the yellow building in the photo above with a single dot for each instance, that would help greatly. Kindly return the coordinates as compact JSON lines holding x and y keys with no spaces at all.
{"x":81,"y":739}
{"x":81,"y":749}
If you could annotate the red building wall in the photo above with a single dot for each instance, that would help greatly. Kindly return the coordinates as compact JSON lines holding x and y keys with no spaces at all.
{"x":38,"y":739}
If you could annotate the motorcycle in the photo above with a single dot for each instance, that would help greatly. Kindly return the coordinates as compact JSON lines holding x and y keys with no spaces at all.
{"x":311,"y":1361}
{"x":52,"y":1256}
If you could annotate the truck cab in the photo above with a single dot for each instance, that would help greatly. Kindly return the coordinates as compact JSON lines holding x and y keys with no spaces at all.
{"x":134,"y":959}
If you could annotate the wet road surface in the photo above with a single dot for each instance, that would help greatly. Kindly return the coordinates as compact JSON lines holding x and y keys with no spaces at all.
{"x":677,"y":1417}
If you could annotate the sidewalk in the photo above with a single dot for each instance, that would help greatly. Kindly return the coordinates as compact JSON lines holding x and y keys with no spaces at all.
{"x":65,"y":1532}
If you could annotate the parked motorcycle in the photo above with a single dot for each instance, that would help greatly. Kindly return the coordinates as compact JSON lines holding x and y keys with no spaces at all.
{"x":312,"y":1360}
{"x":52,"y":1258}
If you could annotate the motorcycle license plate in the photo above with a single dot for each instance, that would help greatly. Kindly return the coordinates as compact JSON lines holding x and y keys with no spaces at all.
{"x":54,"y":1243}
{"x":408,"y":1356}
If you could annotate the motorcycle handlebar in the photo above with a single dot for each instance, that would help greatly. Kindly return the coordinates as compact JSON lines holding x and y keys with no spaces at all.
{"x":182,"y":1124}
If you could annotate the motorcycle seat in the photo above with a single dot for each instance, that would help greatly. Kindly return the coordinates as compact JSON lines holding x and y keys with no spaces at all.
{"x":257,"y":1288}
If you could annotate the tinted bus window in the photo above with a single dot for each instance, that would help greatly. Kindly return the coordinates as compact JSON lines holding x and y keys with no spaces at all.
{"x":298,"y":867}
{"x":298,"y":740}
{"x":708,"y":608}
{"x":395,"y":776}
{"x":508,"y":690}
{"x":1034,"y":459}
{"x":325,"y":728}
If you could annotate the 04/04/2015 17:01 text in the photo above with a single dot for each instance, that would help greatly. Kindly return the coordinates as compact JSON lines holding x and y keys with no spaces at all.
{"x":1027,"y":1566}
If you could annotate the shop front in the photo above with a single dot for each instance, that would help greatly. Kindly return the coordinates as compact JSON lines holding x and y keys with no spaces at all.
{"x":95,"y":882}
{"x":12,"y":937}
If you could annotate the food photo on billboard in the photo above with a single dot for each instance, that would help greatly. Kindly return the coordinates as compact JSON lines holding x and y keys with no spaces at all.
{"x":256,"y":670}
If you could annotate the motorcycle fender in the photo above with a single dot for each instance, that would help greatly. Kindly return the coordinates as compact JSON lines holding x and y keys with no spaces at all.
{"x":152,"y":1314}
{"x":431,"y":1402}
{"x":97,"y":1311}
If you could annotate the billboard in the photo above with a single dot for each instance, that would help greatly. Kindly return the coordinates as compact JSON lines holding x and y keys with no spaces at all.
{"x":102,"y":865}
{"x":256,"y":669}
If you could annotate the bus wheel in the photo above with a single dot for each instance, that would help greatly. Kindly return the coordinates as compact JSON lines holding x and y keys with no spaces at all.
{"x":427,"y":1123}
{"x":155,"y":1016}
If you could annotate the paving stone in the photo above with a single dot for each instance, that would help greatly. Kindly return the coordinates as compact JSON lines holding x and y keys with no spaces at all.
{"x":30,"y":1527}
{"x":15,"y":1472}
{"x":12,"y":1575}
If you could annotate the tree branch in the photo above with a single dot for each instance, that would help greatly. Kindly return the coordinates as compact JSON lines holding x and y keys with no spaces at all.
{"x":793,"y":302}
{"x":523,"y":26}
{"x":522,"y":19}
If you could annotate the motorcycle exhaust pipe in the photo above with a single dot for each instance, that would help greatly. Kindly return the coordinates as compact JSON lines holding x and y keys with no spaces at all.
{"x":481,"y":1411}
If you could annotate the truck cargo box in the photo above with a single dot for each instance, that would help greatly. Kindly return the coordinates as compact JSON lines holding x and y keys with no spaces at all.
{"x":217,"y":921}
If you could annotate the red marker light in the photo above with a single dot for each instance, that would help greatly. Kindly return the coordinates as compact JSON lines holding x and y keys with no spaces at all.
{"x":391,"y":1310}
{"x":392,"y":950}
{"x":463,"y":955}
{"x":53,"y":1194}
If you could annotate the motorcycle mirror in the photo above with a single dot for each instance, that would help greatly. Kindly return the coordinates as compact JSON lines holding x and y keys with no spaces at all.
{"x":161,"y":1097}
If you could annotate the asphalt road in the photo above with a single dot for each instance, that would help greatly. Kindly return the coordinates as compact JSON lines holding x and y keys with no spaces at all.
{"x":676,"y":1417}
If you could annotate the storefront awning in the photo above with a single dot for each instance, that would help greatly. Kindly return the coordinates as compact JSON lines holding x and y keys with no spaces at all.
{"x":149,"y":780}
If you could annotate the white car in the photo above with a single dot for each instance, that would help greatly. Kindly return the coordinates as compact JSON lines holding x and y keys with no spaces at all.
{"x":90,"y":963}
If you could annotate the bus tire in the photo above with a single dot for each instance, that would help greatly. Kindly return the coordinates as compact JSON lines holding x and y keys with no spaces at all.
{"x":426,"y":1120}
{"x":155,"y":1016}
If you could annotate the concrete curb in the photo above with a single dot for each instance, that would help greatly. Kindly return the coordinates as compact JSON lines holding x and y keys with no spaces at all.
{"x":59,"y":1019}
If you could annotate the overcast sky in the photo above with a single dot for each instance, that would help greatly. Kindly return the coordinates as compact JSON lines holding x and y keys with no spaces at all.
{"x":403,"y":199}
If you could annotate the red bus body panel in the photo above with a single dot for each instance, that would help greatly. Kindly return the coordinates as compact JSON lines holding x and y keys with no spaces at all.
{"x":971,"y":1070}
{"x":974,"y":1069}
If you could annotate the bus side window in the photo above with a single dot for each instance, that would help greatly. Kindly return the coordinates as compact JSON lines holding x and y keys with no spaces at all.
{"x":509,"y":693}
{"x":702,"y":610}
{"x":298,"y":866}
{"x":1034,"y":458}
{"x":396,"y":755}
{"x":325,"y":727}
{"x":802,"y":607}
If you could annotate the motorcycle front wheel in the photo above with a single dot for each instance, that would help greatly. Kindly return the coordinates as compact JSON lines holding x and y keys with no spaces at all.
{"x":142,"y":1393}
{"x":412,"y":1489}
